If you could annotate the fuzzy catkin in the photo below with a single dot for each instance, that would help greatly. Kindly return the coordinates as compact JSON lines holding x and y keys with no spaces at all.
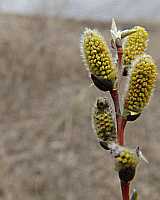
{"x":97,"y":56}
{"x":135,"y":45}
{"x":126,"y":159}
{"x":141,"y":84}
{"x":103,"y":122}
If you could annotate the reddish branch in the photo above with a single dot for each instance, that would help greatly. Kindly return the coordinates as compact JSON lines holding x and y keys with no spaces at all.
{"x":120,"y":53}
{"x":115,"y":97}
{"x":121,"y":121}
{"x":125,"y":190}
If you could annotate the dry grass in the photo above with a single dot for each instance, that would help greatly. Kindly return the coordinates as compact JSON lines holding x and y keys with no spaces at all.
{"x":47,"y":147}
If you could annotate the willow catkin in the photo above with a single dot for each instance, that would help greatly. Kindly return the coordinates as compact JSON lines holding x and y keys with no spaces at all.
{"x":103,"y":122}
{"x":97,"y":56}
{"x":126,"y":159}
{"x":141,"y":84}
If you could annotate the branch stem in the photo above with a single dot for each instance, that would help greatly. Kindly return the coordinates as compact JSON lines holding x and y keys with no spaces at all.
{"x":115,"y":98}
{"x":120,"y":131}
{"x":121,"y":121}
{"x":125,"y":190}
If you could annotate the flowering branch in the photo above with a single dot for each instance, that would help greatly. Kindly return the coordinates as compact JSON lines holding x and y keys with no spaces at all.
{"x":105,"y":76}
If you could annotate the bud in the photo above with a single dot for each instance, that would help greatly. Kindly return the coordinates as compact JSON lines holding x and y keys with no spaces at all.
{"x":141,"y":84}
{"x":132,"y":116}
{"x":103,"y":122}
{"x":97,"y":56}
{"x":134,"y":45}
{"x":127,"y":174}
{"x":101,"y":83}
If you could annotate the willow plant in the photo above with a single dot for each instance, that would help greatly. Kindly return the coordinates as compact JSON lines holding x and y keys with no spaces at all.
{"x":105,"y":71}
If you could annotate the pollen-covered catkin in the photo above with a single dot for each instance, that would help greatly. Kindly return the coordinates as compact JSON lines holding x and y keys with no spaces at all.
{"x":97,"y":56}
{"x":126,"y":159}
{"x":126,"y":164}
{"x":141,"y":84}
{"x":135,"y":45}
{"x":103,"y":122}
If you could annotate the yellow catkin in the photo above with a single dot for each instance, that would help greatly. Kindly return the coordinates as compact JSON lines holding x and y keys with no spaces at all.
{"x":126,"y":159}
{"x":135,"y":45}
{"x":103,"y":122}
{"x":96,"y":55}
{"x":141,"y":84}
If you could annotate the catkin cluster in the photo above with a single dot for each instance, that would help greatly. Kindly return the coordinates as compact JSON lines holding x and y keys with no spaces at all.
{"x":97,"y":56}
{"x":135,"y":45}
{"x":142,"y":80}
{"x":105,"y":75}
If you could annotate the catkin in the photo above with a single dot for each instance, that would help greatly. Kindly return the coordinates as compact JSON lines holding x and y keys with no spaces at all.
{"x":141,"y":84}
{"x":103,"y":122}
{"x":97,"y":56}
{"x":135,"y":45}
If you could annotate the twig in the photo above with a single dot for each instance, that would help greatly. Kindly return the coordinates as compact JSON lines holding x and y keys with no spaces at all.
{"x":125,"y":190}
{"x":121,"y":121}
{"x":115,"y":98}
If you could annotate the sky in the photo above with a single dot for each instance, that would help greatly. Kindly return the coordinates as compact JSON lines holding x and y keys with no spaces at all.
{"x":82,"y":9}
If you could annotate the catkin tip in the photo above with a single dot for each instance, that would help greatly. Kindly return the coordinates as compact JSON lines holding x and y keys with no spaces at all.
{"x":135,"y":45}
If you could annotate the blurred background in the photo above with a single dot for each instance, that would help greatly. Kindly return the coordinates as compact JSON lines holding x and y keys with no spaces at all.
{"x":47,"y":147}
